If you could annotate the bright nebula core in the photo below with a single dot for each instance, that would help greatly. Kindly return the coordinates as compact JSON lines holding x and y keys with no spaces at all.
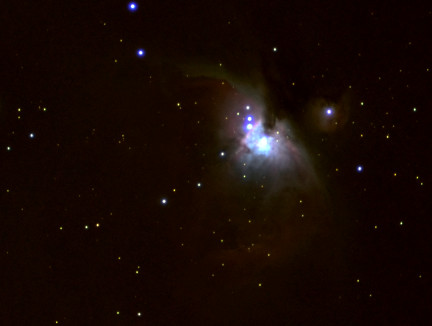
{"x":263,"y":152}
{"x":257,"y":141}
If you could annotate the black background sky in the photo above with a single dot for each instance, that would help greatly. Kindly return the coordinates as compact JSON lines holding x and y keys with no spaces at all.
{"x":85,"y":237}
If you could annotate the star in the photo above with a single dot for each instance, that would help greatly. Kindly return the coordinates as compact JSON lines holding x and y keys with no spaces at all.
{"x":132,"y":6}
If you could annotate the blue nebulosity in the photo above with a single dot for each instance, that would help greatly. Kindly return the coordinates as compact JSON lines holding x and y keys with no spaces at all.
{"x":267,"y":152}
{"x":263,"y":145}
{"x":258,"y":142}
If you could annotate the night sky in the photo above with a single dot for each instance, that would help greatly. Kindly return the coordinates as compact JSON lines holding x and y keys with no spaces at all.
{"x":215,"y":163}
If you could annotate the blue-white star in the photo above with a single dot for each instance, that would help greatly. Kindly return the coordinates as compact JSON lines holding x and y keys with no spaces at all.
{"x":132,"y":6}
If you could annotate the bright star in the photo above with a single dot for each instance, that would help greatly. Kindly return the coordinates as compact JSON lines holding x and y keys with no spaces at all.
{"x":132,"y":6}
{"x":359,"y":168}
{"x":141,"y":52}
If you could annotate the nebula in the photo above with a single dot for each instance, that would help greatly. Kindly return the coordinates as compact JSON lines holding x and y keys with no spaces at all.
{"x":266,"y":204}
{"x":262,"y":152}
